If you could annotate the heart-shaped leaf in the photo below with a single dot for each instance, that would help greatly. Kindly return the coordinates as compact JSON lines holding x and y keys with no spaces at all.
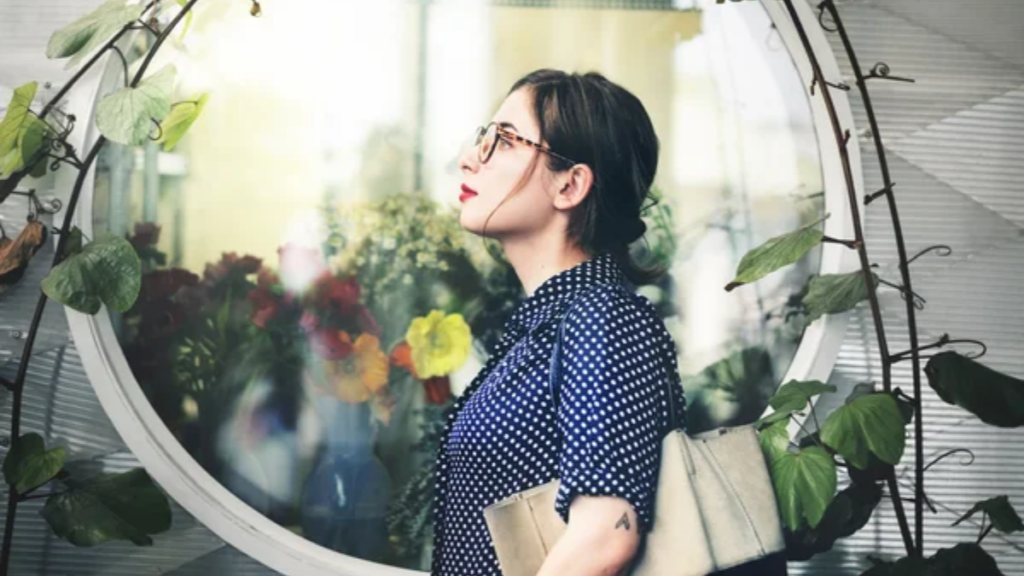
{"x":106,"y":271}
{"x":182,"y":115}
{"x":15,"y":255}
{"x":835,"y":293}
{"x":805,"y":483}
{"x":992,"y":396}
{"x":127,"y":116}
{"x":795,"y":394}
{"x":89,"y":32}
{"x":29,"y":464}
{"x":21,"y":133}
{"x":774,"y":440}
{"x":1002,"y":514}
{"x":869,"y":423}
{"x":126,"y":506}
{"x":848,"y":512}
{"x":775,"y":253}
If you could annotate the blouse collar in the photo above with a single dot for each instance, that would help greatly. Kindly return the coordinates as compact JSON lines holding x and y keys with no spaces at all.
{"x":557,"y":291}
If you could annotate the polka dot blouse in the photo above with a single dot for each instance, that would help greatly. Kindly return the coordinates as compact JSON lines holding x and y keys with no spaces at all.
{"x":503,"y":436}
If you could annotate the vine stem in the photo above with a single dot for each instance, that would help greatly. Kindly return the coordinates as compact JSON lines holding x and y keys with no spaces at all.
{"x":37,"y":316}
{"x":865,"y":265}
{"x":887,"y":360}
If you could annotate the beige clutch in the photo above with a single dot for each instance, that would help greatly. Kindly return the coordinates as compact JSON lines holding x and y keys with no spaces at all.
{"x":715,"y":509}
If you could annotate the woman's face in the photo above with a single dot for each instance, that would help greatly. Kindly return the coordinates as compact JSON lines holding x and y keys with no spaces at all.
{"x":528,"y":210}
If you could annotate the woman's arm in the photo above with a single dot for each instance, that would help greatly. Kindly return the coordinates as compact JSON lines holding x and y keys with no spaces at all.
{"x":600,"y":539}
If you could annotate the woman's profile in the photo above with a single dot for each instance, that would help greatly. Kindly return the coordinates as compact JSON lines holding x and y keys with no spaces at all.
{"x":559,"y":178}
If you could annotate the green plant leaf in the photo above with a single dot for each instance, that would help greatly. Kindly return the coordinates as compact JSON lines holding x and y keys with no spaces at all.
{"x":126,"y":506}
{"x":848,"y":512}
{"x":773,"y":418}
{"x":107,"y":270}
{"x":29,"y":464}
{"x":89,"y":32}
{"x":835,"y":293}
{"x":872,"y":422}
{"x":127,"y":116}
{"x":964,"y":559}
{"x":21,"y":132}
{"x":177,"y":123}
{"x":774,"y":440}
{"x":805,"y":483}
{"x":1004,"y":518}
{"x":795,"y":394}
{"x":775,"y":253}
{"x":994,"y":397}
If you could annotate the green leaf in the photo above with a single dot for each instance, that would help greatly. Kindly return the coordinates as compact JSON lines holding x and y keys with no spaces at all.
{"x":773,"y":418}
{"x":182,"y":115}
{"x":872,"y":422}
{"x":795,"y":394}
{"x":774,"y":440}
{"x":1000,"y":511}
{"x":21,"y":132}
{"x":993,"y":397}
{"x":835,"y":293}
{"x":75,"y":242}
{"x":127,"y":116}
{"x":107,"y":270}
{"x":848,"y":512}
{"x":805,"y":483}
{"x":91,"y":31}
{"x":775,"y":253}
{"x":862,"y":389}
{"x":29,"y":464}
{"x":126,"y":506}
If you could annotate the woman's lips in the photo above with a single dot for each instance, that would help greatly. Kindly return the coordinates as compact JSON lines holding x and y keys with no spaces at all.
{"x":467,"y":193}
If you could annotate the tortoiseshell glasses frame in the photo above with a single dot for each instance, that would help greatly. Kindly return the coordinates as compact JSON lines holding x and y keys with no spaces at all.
{"x":487,"y":141}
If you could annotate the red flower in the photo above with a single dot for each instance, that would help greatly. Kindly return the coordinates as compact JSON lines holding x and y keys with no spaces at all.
{"x":265,"y":306}
{"x":162,"y":284}
{"x":437,"y":389}
{"x":337,"y":295}
{"x":230,"y":263}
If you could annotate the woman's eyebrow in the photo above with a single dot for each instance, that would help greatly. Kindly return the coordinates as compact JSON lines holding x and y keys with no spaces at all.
{"x":508,"y":125}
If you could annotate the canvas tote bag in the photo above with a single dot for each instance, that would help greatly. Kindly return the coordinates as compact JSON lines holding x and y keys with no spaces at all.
{"x":715,"y":507}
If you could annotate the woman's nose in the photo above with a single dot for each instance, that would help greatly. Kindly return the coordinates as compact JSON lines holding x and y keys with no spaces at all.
{"x":468,"y":160}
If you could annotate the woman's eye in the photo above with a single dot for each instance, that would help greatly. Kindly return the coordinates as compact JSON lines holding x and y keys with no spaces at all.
{"x":505,"y":141}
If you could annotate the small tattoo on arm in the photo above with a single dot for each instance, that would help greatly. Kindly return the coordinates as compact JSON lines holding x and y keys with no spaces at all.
{"x":624,"y":521}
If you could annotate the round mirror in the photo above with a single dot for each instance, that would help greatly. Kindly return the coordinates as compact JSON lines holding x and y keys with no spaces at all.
{"x":310,"y":304}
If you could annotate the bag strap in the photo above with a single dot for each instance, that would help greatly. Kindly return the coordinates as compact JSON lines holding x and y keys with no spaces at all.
{"x":554,"y":382}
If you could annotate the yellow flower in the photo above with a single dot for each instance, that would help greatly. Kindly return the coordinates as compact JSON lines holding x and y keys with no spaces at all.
{"x":362,"y":374}
{"x":440,"y":344}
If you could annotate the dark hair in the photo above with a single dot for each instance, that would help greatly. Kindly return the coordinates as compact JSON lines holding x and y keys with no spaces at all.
{"x":598,"y":123}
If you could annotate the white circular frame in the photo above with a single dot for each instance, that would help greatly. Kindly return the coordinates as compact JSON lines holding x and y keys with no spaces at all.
{"x":284,"y":551}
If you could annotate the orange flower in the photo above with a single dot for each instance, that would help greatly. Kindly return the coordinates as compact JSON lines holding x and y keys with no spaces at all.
{"x":401,"y":356}
{"x":362,"y":374}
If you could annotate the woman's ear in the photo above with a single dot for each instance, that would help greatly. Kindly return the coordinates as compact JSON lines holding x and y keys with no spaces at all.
{"x":575,"y":184}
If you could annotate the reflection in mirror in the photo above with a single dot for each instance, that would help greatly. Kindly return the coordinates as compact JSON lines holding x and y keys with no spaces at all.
{"x":310,"y":304}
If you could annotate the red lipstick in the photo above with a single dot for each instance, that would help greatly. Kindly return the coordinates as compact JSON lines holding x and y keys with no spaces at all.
{"x":467,"y":193}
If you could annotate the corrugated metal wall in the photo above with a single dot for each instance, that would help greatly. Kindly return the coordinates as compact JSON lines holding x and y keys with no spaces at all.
{"x":955,"y":141}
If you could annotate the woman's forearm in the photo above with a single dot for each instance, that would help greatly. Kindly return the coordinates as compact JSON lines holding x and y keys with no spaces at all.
{"x":582,"y":556}
{"x":600,"y":540}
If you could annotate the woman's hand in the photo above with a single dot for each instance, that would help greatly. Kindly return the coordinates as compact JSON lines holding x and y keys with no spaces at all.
{"x":600,"y":540}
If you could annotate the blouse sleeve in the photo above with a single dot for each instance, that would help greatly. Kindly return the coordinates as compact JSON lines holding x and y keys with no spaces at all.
{"x":612,"y":404}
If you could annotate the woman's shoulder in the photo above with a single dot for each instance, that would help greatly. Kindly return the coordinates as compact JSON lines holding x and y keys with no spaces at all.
{"x":608,"y":301}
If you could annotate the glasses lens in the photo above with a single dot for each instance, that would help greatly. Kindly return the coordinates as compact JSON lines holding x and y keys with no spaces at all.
{"x":485,"y":144}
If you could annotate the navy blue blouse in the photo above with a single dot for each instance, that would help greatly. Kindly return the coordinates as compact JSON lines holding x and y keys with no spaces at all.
{"x":503,"y":436}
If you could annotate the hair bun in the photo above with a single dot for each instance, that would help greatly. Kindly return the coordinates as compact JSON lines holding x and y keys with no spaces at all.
{"x":633,"y":230}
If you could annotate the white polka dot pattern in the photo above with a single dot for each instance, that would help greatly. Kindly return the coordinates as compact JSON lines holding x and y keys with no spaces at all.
{"x":502,"y":435}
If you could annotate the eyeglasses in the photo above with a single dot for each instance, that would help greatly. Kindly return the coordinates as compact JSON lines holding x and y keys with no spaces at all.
{"x":487,"y":141}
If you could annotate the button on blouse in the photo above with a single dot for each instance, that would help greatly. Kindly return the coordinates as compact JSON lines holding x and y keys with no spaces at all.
{"x":503,"y":435}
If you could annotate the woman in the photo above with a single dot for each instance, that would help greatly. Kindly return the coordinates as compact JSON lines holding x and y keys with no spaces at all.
{"x":559,"y":178}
